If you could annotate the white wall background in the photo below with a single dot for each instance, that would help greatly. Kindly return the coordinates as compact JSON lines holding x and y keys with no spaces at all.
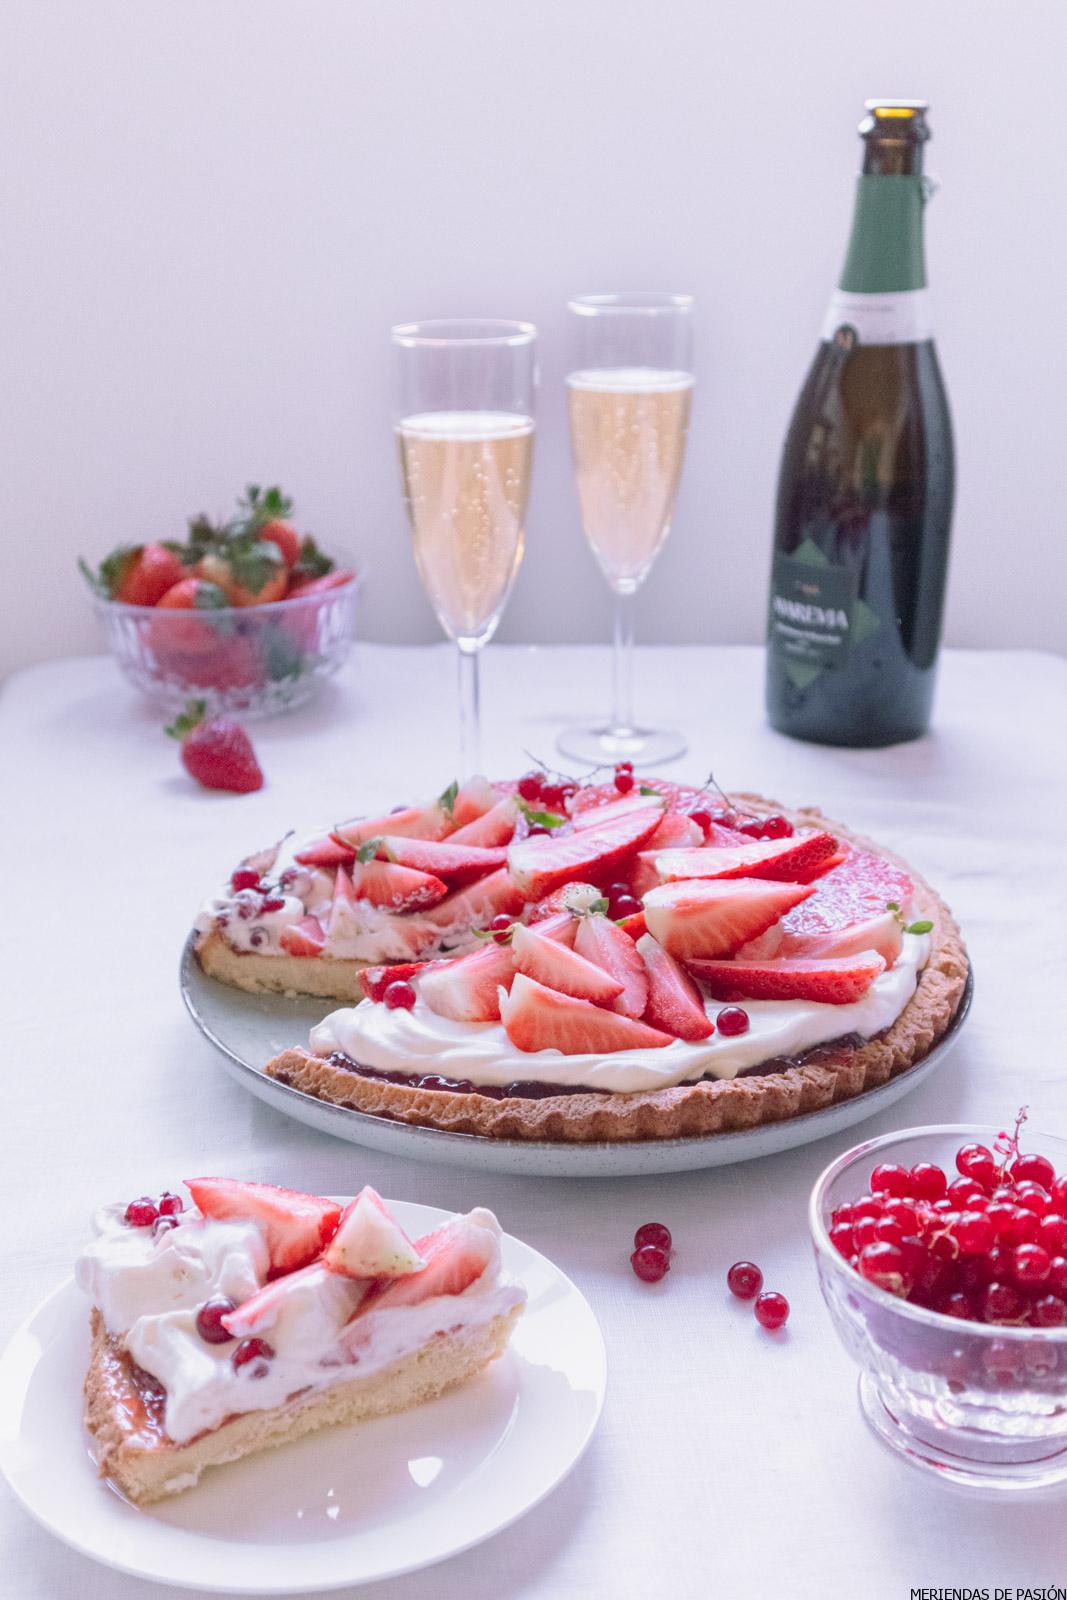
{"x":213,"y":211}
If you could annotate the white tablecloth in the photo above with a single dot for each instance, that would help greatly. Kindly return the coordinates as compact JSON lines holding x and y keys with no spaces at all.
{"x":727,"y":1463}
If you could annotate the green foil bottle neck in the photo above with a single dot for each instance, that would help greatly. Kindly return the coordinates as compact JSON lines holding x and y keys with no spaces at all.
{"x":885,"y":251}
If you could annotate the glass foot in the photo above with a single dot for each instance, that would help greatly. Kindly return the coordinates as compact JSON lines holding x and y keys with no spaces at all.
{"x":602,"y":746}
{"x":955,"y":1455}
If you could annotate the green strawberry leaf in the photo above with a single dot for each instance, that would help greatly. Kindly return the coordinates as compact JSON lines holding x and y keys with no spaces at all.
{"x":187,"y":720}
{"x":447,"y":798}
{"x":923,"y":926}
{"x":647,"y":789}
{"x":543,"y":819}
{"x":311,"y":562}
{"x":368,"y":851}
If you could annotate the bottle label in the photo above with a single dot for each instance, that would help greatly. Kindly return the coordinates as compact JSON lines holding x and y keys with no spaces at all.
{"x":901,"y":318}
{"x":814,"y":609}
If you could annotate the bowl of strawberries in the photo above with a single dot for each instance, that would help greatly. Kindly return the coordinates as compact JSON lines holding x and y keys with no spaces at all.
{"x":942,"y":1256}
{"x":247,"y":614}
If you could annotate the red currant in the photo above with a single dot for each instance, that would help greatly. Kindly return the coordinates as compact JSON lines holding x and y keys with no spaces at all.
{"x":732,"y":1020}
{"x":962,"y":1191}
{"x":1050,"y":1311}
{"x":1001,"y":1303}
{"x":753,"y":827}
{"x":500,"y":927}
{"x":973,"y":1233}
{"x":650,"y":1264}
{"x":882,"y":1264}
{"x":889,"y":1230}
{"x":244,"y":878}
{"x":954,"y":1304}
{"x":1030,"y":1264}
{"x":864,"y":1232}
{"x":255,"y":1351}
{"x":170,"y":1205}
{"x":535,"y":830}
{"x":776,"y":827}
{"x":928,"y":1182}
{"x":653,"y":1233}
{"x":1033,"y":1169}
{"x":902,"y":1211}
{"x":1057,"y":1274}
{"x":1059,"y":1195}
{"x":1032,"y":1197}
{"x":624,"y":782}
{"x":745,"y":1280}
{"x":1001,"y":1215}
{"x":209,"y":1320}
{"x":868,"y":1205}
{"x":1052,"y":1233}
{"x":624,"y":766}
{"x":142,"y":1213}
{"x":624,"y":906}
{"x":891,"y":1179}
{"x":1023,"y":1227}
{"x":399,"y":995}
{"x":772,"y":1310}
{"x":975,"y":1161}
{"x":841,"y":1238}
{"x":530,"y":787}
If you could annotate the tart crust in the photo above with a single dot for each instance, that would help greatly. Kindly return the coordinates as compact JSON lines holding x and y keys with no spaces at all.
{"x":827,"y":1074}
{"x":133,"y":1450}
{"x":320,"y":977}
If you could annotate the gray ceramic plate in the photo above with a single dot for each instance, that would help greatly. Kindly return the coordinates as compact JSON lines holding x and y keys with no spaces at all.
{"x":248,"y":1029}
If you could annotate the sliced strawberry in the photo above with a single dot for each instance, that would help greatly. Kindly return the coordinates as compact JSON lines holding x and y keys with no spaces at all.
{"x":295,"y":1226}
{"x":375,"y":980}
{"x":312,"y":1291}
{"x":675,"y":1004}
{"x":467,"y":989}
{"x":862,"y":886}
{"x":561,"y":969}
{"x":413,"y":822}
{"x":722,"y":838}
{"x":456,"y":863}
{"x":760,"y":858}
{"x":765,"y":947}
{"x":634,"y":925}
{"x":821,"y":868}
{"x":571,"y":897}
{"x":715,"y":917}
{"x":607,"y":946}
{"x":562,"y":926}
{"x":676,"y":796}
{"x":304,"y":938}
{"x":545,"y":861}
{"x":836,"y":982}
{"x":473,"y":799}
{"x":456,"y":1255}
{"x":495,"y":827}
{"x":369,"y":1243}
{"x":642,"y":875}
{"x":394,"y":888}
{"x":536,"y":1018}
{"x":329,"y":852}
{"x":477,"y":905}
{"x":676,"y":832}
{"x":882,"y":934}
{"x":599,"y":816}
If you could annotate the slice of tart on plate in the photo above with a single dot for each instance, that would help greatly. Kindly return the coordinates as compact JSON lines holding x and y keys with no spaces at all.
{"x":259,"y":1314}
{"x":682,"y":965}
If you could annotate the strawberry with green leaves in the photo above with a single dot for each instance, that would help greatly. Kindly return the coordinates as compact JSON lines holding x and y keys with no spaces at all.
{"x":217,"y":752}
{"x":135,"y":575}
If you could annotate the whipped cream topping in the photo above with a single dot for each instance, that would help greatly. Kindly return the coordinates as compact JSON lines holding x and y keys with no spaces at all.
{"x":148,"y":1290}
{"x":419,"y":1040}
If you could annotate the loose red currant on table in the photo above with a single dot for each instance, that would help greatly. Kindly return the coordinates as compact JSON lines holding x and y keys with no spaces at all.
{"x":653,"y":1233}
{"x":928,"y":1182}
{"x":772,"y":1310}
{"x":1033,"y":1169}
{"x":399,"y":995}
{"x":142,"y":1213}
{"x":732,"y":1020}
{"x":254,"y":1354}
{"x":975,"y":1161}
{"x":650,"y":1263}
{"x":501,"y":927}
{"x":745,"y":1280}
{"x":209,"y":1320}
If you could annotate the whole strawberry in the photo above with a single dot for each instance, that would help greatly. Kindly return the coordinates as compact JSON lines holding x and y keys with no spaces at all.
{"x":217,"y":752}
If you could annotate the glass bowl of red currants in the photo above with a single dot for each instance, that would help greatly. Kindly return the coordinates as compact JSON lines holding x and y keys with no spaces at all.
{"x":942,"y":1256}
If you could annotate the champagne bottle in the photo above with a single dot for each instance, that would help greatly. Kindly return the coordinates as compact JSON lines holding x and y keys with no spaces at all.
{"x":866,"y":483}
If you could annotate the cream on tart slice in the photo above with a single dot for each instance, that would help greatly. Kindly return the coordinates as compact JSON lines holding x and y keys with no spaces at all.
{"x":737,"y":964}
{"x":260,"y":1314}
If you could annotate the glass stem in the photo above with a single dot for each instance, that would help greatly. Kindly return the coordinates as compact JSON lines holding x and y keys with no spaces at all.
{"x":470,"y":717}
{"x":622,"y":674}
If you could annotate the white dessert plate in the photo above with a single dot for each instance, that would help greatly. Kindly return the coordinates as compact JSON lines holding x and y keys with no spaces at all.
{"x":343,"y":1506}
{"x":249,"y":1029}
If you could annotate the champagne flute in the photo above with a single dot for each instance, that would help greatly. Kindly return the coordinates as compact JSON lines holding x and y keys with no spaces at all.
{"x":628,"y":395}
{"x":465,"y":429}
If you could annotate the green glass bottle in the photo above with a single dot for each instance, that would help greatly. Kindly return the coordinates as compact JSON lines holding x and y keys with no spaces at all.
{"x":866,"y":484}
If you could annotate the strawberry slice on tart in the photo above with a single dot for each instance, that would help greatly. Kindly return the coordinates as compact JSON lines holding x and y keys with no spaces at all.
{"x":552,"y":963}
{"x":226,"y":1348}
{"x":838,"y":981}
{"x":715,"y":917}
{"x":541,"y":863}
{"x":536,"y":1018}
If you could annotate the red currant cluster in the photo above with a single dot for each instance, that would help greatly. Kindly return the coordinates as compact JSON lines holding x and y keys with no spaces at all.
{"x":159,"y":1214}
{"x":745,"y":1280}
{"x":988,"y":1245}
{"x":548,"y":793}
{"x":624,"y":776}
{"x":774,"y":827}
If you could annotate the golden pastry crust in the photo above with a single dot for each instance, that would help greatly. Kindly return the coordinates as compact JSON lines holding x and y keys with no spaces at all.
{"x":320,"y":977}
{"x":133,"y":1450}
{"x":826,"y":1074}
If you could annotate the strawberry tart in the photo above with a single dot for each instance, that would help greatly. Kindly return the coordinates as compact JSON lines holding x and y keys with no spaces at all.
{"x":259,"y":1314}
{"x":676,"y":963}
